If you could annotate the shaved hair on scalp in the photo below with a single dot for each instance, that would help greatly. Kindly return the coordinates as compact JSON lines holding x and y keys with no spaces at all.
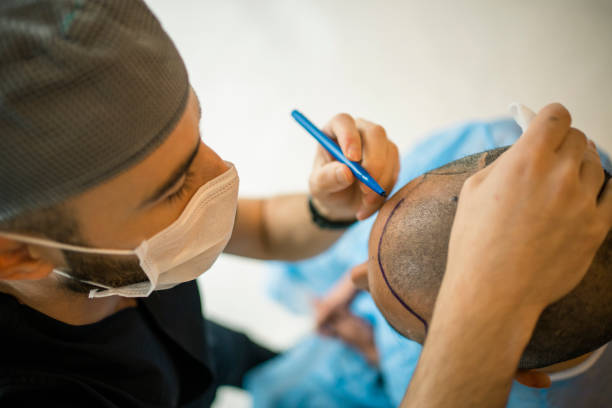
{"x":413,"y":252}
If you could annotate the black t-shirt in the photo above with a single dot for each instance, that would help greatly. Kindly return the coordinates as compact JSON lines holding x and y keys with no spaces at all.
{"x":153,"y":355}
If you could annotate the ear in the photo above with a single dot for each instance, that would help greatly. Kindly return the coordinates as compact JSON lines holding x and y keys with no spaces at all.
{"x":16,"y":262}
{"x":533,"y":378}
{"x":359,"y":276}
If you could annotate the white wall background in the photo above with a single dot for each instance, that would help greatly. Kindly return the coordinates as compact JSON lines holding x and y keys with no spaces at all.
{"x":413,"y":66}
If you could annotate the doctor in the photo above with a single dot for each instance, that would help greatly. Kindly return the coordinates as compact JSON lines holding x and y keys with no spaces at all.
{"x":112,"y":204}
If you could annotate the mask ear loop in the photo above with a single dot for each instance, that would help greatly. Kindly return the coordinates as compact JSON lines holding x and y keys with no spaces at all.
{"x":92,"y":292}
{"x":74,"y":248}
{"x":57,"y":245}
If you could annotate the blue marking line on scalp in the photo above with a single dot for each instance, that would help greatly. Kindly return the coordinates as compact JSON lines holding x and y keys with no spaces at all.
{"x":382,"y":270}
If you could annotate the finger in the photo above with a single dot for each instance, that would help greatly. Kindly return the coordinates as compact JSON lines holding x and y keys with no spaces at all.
{"x":323,"y":314}
{"x":391,"y":171}
{"x":533,"y":379}
{"x":343,"y":128}
{"x":375,"y":148}
{"x":574,"y":146}
{"x":333,"y":305}
{"x":379,"y":160}
{"x":591,"y":171}
{"x":372,"y":201}
{"x":322,"y":157}
{"x":327,"y":330}
{"x":548,"y":129}
{"x":330,"y":178}
{"x":396,"y":171}
{"x":359,"y":276}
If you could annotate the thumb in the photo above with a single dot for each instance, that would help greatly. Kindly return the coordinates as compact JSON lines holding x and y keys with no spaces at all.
{"x":533,"y":378}
{"x":331,"y":178}
{"x":359,"y":276}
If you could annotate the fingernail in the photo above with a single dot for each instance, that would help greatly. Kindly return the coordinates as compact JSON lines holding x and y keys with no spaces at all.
{"x":353,"y":154}
{"x":341,"y":176}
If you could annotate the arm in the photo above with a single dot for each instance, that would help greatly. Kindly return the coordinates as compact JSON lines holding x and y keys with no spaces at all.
{"x":278,"y":228}
{"x":527,"y":229}
{"x":281,"y":227}
{"x":471,"y":352}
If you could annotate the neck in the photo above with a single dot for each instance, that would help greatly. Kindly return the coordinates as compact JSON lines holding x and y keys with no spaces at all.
{"x":48,"y":297}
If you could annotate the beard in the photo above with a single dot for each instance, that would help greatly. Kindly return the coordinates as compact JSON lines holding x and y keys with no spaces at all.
{"x":108,"y":270}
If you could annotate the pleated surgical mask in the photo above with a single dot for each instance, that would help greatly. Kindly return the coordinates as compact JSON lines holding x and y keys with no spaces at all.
{"x":179,"y":253}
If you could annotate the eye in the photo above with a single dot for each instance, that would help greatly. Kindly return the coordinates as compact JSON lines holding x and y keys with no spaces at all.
{"x":178,"y":194}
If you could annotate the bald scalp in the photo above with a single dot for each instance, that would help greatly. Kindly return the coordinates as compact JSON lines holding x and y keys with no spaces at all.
{"x":412,"y":252}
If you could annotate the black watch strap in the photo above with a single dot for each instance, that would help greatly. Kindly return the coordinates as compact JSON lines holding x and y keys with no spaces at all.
{"x":323,"y":222}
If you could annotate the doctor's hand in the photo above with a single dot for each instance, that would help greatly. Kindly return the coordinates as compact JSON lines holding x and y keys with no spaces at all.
{"x":529,"y":225}
{"x":335,"y":192}
{"x":526,"y":229}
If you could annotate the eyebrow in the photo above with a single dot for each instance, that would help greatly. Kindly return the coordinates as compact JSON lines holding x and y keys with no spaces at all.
{"x":175,"y":176}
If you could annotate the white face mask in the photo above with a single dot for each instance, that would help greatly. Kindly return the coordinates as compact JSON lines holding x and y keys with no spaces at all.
{"x":179,"y":253}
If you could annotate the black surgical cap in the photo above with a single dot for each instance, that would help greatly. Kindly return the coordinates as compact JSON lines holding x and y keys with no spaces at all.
{"x":87,"y":89}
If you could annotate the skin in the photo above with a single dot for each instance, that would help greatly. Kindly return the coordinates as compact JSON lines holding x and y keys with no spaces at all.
{"x":543,"y":190}
{"x":113,"y":215}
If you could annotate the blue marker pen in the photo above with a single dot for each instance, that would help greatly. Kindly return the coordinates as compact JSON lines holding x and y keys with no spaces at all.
{"x":360,"y":173}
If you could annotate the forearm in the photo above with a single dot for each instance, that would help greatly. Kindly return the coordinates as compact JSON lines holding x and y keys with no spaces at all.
{"x":469,"y":361}
{"x":279,"y":228}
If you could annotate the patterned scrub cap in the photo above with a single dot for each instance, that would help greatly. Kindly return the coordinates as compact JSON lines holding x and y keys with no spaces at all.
{"x":88,"y":89}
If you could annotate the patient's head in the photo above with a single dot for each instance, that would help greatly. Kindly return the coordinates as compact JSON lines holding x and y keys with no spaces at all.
{"x":407,"y":259}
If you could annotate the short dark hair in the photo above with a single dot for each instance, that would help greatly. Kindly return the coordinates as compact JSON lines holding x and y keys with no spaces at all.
{"x":414,"y":253}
